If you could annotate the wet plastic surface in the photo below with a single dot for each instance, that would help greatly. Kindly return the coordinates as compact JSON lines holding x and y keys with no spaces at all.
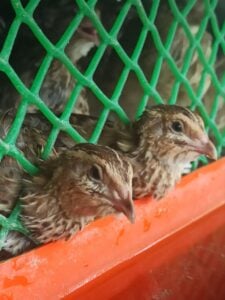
{"x":175,"y":250}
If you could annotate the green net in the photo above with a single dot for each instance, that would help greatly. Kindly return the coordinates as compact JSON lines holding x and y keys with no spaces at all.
{"x":201,"y":53}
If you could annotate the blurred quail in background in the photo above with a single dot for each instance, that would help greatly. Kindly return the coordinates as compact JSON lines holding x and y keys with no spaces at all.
{"x":133,"y":90}
{"x":59,"y":82}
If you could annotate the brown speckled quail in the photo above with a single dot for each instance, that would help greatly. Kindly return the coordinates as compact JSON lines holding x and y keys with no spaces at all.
{"x":68,"y":192}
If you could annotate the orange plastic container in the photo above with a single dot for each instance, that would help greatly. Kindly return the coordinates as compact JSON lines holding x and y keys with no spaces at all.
{"x":175,"y":250}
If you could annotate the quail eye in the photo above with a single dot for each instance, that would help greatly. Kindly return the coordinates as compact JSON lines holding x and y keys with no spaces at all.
{"x":95,"y":173}
{"x":177,"y":126}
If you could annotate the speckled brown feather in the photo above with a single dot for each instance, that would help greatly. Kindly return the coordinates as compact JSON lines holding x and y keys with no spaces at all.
{"x":65,"y":194}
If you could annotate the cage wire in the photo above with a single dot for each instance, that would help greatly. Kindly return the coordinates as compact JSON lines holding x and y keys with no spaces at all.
{"x":24,"y":15}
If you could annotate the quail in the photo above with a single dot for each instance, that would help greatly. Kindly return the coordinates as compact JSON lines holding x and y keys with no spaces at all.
{"x":159,"y":145}
{"x":58,"y":82}
{"x":68,"y":192}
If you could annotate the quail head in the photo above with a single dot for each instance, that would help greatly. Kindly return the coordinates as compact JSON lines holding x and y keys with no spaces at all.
{"x":167,"y":138}
{"x":70,"y":191}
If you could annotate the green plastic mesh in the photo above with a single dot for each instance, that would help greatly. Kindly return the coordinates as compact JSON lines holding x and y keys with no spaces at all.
{"x":24,"y":15}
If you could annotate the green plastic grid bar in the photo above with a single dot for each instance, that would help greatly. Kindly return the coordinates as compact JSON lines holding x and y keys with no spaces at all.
{"x":24,"y":15}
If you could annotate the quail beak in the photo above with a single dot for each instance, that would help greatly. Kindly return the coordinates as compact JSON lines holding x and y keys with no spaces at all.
{"x":208,"y":149}
{"x":126,"y":206}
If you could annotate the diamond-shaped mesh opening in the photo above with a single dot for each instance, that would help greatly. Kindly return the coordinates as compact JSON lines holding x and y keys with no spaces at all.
{"x":168,"y":51}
